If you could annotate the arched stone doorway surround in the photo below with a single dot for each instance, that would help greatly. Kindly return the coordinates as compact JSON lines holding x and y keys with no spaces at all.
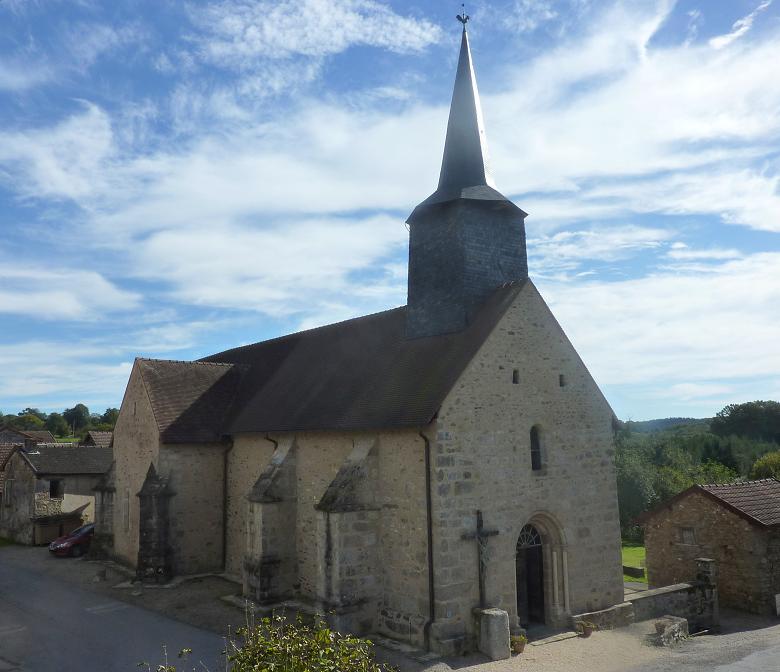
{"x":541,"y":540}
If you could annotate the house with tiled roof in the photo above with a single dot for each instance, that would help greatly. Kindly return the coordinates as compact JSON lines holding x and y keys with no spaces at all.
{"x":12,"y":435}
{"x":96,"y":438}
{"x":737,"y":524}
{"x":49,"y":489}
{"x":398,"y":471}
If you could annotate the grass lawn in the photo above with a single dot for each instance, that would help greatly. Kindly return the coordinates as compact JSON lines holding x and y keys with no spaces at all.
{"x":633,"y":556}
{"x":66,"y":439}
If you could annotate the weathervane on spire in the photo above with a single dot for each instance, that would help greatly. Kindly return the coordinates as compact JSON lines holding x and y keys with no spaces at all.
{"x":463,"y":18}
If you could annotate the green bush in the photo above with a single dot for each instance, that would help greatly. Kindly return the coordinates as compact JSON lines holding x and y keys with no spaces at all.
{"x":282,"y":645}
{"x":767,"y":466}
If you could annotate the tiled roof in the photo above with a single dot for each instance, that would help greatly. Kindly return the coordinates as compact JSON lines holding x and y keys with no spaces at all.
{"x":99,"y":438}
{"x":42,"y":435}
{"x":759,"y":500}
{"x":6,"y":449}
{"x":190,"y":400}
{"x":59,"y":460}
{"x":359,"y":374}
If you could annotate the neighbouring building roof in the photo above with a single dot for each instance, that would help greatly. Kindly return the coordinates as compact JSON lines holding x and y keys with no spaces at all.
{"x":42,"y":435}
{"x":358,"y":374}
{"x":95,"y":438}
{"x":59,"y":460}
{"x":756,"y":501}
{"x":37,"y":435}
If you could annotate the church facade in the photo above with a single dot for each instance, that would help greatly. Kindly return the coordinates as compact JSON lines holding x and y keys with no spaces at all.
{"x":394,"y":471}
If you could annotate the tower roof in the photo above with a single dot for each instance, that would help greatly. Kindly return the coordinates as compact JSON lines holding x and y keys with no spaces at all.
{"x":465,"y":167}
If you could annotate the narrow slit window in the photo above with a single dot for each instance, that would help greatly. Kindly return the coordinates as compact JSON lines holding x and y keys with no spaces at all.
{"x":515,"y":376}
{"x":536,"y":449}
{"x":561,"y":380}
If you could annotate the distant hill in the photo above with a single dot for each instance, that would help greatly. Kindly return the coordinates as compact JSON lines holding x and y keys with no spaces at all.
{"x":686,"y":425}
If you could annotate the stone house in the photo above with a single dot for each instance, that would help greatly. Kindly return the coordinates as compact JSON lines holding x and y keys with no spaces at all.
{"x":48,"y":490}
{"x":395,"y":471}
{"x":30,"y":436}
{"x":737,"y":525}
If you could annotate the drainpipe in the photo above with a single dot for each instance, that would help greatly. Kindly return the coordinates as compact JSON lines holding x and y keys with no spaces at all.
{"x":429,"y":523}
{"x":229,"y":442}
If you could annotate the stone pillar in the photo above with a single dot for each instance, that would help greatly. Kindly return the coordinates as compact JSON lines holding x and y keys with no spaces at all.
{"x":270,"y":563}
{"x":348,"y":522}
{"x":154,"y":552}
{"x":493,"y":633}
{"x":102,"y":545}
{"x":709,"y":609}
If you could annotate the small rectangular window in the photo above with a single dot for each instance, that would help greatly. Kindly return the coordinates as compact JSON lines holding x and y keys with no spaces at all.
{"x":687,"y":535}
{"x":56,"y":490}
{"x":515,"y":376}
{"x":536,"y":450}
{"x":561,"y":380}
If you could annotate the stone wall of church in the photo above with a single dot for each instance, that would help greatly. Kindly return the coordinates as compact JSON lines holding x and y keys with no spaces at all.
{"x":136,"y":445}
{"x":17,"y":506}
{"x":739,"y":548}
{"x":247,"y":459}
{"x":195,"y":509}
{"x":398,"y":530}
{"x":526,"y":374}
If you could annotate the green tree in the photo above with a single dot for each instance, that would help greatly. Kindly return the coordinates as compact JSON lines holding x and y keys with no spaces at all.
{"x":77,"y":417}
{"x":57,"y":424}
{"x":758,"y":420}
{"x":29,"y":421}
{"x":110,"y":416}
{"x":33,"y":411}
{"x":767,"y":466}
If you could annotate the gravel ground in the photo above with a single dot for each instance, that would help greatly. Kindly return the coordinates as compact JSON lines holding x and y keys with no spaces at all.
{"x":746,"y":643}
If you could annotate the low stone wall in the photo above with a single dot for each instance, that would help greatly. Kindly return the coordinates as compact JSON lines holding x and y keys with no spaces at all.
{"x":697,"y":602}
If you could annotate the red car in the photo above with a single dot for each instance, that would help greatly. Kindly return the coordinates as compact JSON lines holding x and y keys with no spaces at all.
{"x":74,"y":544}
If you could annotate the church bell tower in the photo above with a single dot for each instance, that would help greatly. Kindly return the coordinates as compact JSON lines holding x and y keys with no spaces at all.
{"x":466,"y":239}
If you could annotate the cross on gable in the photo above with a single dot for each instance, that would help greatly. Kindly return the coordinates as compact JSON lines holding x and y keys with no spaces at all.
{"x":481,"y":535}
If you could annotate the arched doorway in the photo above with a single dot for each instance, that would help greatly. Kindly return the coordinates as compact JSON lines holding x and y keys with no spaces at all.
{"x":529,"y":567}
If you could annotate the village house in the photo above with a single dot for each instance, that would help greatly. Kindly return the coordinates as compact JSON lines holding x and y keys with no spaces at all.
{"x":48,"y":489}
{"x":737,"y":525}
{"x":11,"y":435}
{"x":395,"y":471}
{"x":96,"y":438}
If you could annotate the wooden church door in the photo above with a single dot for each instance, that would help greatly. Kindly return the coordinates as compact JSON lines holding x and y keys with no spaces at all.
{"x":529,"y":564}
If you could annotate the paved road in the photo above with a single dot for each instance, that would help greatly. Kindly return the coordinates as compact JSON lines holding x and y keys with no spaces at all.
{"x":49,"y":626}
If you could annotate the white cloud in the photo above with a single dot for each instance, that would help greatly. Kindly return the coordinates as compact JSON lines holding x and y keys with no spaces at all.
{"x":60,"y":294}
{"x":567,"y":250}
{"x":676,"y":327}
{"x":236,"y":32}
{"x":18,"y":76}
{"x":715,"y":254}
{"x":527,"y":15}
{"x":66,"y":160}
{"x":86,"y":42}
{"x":739,"y":28}
{"x":292,"y":267}
{"x":56,"y":375}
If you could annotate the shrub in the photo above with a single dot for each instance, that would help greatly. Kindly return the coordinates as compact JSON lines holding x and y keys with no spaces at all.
{"x":282,"y":645}
{"x":767,"y":466}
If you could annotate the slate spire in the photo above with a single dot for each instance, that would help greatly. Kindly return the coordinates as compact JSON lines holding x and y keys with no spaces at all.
{"x":466,"y":239}
{"x":465,"y":163}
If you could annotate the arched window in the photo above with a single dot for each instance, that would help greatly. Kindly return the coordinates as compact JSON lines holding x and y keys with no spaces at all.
{"x":536,"y":449}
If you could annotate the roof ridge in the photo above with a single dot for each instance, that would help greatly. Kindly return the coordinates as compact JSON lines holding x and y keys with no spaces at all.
{"x":183,"y":361}
{"x":207,"y":358}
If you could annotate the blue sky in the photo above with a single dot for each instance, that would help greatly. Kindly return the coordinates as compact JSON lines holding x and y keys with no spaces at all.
{"x":179,"y":178}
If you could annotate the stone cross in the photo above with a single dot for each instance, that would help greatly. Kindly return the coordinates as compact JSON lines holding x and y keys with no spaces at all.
{"x":481,"y":536}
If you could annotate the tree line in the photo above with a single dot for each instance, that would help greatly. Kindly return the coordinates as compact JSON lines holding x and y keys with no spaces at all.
{"x":72,"y":422}
{"x":741,"y":441}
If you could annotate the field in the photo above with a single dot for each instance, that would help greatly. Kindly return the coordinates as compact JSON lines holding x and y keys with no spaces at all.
{"x":633,"y":556}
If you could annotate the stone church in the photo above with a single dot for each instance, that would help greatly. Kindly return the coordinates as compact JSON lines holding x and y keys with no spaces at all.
{"x":398,"y":470}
